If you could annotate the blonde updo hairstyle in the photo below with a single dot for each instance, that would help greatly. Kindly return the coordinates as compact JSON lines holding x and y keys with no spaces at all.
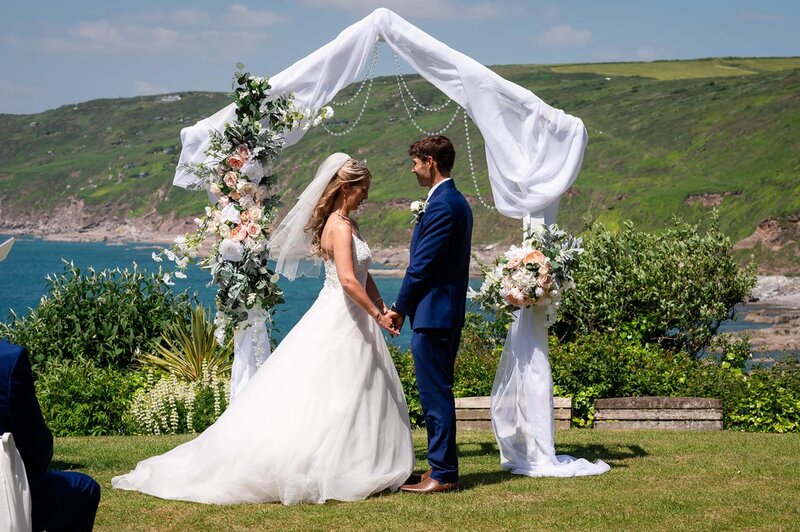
{"x":352,"y":171}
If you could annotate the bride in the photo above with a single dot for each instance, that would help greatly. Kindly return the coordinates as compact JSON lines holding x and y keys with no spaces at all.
{"x":325,"y":416}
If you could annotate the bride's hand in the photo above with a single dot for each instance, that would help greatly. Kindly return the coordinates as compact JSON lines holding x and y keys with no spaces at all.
{"x":385,"y":323}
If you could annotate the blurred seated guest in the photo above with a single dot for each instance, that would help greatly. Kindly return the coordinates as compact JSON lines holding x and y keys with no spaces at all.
{"x":60,"y":500}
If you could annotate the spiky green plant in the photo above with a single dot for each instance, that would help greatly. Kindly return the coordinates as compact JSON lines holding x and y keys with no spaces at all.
{"x":185,"y":347}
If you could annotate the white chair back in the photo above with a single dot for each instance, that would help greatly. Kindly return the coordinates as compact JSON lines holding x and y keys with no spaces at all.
{"x":15,"y":494}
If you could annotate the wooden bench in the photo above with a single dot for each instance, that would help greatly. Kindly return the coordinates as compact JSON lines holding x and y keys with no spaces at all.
{"x":682,"y":413}
{"x":475,"y":412}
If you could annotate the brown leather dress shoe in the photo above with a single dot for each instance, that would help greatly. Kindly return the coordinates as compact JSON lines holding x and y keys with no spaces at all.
{"x":416,"y":478}
{"x":430,"y":485}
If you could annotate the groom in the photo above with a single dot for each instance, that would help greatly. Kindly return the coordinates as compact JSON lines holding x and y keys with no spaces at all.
{"x":433,"y":296}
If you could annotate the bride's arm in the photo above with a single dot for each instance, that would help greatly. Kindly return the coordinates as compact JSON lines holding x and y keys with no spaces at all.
{"x":375,"y":295}
{"x":342,"y":243}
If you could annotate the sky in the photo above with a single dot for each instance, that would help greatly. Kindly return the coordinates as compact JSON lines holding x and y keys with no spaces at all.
{"x":55,"y":53}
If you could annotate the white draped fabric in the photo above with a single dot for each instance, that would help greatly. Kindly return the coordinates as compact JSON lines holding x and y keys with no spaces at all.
{"x":533,"y":152}
{"x":522,"y":405}
{"x":15,"y":495}
{"x":251,"y":348}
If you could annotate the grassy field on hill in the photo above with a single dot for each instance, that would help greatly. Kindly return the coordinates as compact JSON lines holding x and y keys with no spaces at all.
{"x":659,"y":480}
{"x":666,"y":138}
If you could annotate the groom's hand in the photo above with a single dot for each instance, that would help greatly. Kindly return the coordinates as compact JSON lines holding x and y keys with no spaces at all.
{"x":397,"y":319}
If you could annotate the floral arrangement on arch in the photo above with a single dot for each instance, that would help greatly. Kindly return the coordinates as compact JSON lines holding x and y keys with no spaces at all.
{"x":243,"y":204}
{"x":533,"y":273}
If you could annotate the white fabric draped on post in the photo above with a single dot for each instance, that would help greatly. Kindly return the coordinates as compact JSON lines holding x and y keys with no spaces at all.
{"x":533,"y":152}
{"x":15,"y":495}
{"x":522,"y":405}
{"x":250,"y":347}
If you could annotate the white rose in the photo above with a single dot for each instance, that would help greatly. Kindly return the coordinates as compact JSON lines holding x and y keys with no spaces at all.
{"x":253,"y":170}
{"x":224,"y":230}
{"x":231,"y":214}
{"x":255,"y":213}
{"x":246,"y":202}
{"x":231,"y":250}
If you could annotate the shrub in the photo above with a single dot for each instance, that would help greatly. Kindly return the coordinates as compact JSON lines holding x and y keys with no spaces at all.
{"x":404,"y":362}
{"x":80,"y":398}
{"x":476,"y":363}
{"x":771,"y":400}
{"x":597,"y":365}
{"x":673,"y":288}
{"x":185,"y":348}
{"x":104,"y":316}
{"x":168,"y":405}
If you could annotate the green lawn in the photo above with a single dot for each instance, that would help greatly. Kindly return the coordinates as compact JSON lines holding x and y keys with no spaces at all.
{"x":660,"y":480}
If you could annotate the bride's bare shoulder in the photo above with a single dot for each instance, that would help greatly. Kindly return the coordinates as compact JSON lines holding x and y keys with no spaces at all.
{"x":335,"y":230}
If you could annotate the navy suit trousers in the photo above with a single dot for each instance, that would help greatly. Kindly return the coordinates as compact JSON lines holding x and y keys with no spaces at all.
{"x":63,"y":501}
{"x":434,"y":353}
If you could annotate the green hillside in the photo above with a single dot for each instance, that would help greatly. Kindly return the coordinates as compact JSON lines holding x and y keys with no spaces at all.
{"x":666,"y":137}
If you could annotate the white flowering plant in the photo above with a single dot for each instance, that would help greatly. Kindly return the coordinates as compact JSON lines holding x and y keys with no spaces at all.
{"x":533,"y":273}
{"x":241,"y":183}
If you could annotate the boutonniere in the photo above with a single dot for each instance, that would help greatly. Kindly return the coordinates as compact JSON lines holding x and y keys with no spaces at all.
{"x":418,"y":209}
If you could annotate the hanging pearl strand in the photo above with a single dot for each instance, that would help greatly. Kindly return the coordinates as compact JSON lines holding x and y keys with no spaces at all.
{"x":472,"y":166}
{"x":371,"y":76}
{"x":402,"y":80}
{"x":367,"y":76}
{"x":422,"y":130}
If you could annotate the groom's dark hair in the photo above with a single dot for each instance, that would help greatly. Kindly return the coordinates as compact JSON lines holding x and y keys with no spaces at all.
{"x":439,"y":147}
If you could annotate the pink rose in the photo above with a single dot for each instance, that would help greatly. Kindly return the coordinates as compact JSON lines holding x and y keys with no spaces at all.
{"x":243,"y":151}
{"x":230,"y":179}
{"x":235,"y":196}
{"x":514,"y":263}
{"x":244,"y":216}
{"x":253,"y":229}
{"x":535,"y":257}
{"x":517,"y":299}
{"x":546,"y":281}
{"x":219,"y":170}
{"x":235,"y":161}
{"x":239,"y":234}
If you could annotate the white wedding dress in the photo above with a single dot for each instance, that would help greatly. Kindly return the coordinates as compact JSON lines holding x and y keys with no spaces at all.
{"x":323,"y":418}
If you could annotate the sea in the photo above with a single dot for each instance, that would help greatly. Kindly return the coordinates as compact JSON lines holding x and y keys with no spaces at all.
{"x":23,"y":280}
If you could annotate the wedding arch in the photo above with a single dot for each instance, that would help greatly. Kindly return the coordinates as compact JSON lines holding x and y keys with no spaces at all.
{"x":533,"y":152}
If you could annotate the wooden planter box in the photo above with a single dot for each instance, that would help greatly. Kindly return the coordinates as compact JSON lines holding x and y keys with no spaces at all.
{"x":475,"y":412}
{"x":682,"y":413}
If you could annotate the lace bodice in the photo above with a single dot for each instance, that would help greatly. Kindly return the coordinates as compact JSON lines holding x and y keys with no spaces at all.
{"x":362,"y":257}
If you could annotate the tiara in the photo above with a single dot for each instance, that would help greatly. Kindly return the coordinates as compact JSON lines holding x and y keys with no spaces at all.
{"x":359,"y":164}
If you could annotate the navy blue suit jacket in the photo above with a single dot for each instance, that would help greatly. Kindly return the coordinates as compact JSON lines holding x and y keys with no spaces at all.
{"x":19,"y":410}
{"x":433,"y":294}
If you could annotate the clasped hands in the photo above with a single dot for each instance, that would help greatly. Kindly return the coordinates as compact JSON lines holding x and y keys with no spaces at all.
{"x":390,"y":320}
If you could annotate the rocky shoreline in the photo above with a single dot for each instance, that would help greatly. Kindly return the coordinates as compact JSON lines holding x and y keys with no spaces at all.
{"x":775,"y":302}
